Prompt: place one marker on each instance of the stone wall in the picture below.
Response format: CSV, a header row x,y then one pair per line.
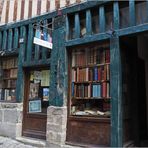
x,y
56,125
11,119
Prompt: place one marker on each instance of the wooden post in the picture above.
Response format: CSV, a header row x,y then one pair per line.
x,y
132,17
29,43
67,28
10,39
1,40
88,23
58,76
101,19
77,25
116,83
15,41
4,43
116,93
20,77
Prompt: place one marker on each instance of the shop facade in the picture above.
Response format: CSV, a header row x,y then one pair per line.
x,y
75,85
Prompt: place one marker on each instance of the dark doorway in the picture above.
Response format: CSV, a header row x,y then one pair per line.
x,y
134,91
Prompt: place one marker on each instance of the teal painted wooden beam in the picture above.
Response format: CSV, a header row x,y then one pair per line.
x,y
4,42
20,76
88,22
116,18
10,33
77,26
43,49
37,47
1,40
116,92
29,43
16,38
67,28
132,15
101,19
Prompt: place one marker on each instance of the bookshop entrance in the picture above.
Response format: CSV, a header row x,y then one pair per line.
x,y
135,89
36,90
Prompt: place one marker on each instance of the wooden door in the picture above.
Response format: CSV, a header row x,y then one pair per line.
x,y
36,92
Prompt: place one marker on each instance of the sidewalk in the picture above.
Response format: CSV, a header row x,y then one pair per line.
x,y
6,142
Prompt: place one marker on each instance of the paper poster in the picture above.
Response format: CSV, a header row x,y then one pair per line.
x,y
45,78
34,106
45,94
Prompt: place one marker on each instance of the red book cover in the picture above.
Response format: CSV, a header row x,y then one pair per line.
x,y
107,56
104,89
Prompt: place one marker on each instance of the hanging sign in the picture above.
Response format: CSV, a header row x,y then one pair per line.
x,y
43,39
34,106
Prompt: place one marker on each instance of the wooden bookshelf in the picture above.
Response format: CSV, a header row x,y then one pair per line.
x,y
89,95
8,68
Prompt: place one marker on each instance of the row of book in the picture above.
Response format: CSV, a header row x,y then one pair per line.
x,y
90,56
99,73
9,84
7,94
10,73
92,90
9,63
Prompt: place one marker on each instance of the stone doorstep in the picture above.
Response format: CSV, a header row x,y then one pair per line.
x,y
32,141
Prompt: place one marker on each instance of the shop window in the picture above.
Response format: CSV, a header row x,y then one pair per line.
x,y
8,78
38,91
95,22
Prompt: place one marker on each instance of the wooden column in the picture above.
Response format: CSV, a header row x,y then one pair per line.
x,y
88,23
116,84
10,33
67,28
101,19
4,42
132,17
1,40
20,77
16,38
77,25
58,84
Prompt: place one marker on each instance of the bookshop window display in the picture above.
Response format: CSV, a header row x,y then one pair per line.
x,y
38,91
90,82
89,95
8,78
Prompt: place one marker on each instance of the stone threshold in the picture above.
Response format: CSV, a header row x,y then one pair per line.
x,y
32,141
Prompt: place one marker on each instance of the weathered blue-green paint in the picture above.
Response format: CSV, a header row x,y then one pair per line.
x,y
29,43
116,92
20,78
116,15
1,39
67,28
44,50
57,67
10,33
101,19
88,22
4,42
77,26
16,38
37,47
132,17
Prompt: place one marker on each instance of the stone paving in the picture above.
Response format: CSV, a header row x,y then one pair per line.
x,y
6,142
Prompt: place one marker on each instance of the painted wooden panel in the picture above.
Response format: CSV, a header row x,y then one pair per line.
x,y
16,38
1,40
4,42
116,15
